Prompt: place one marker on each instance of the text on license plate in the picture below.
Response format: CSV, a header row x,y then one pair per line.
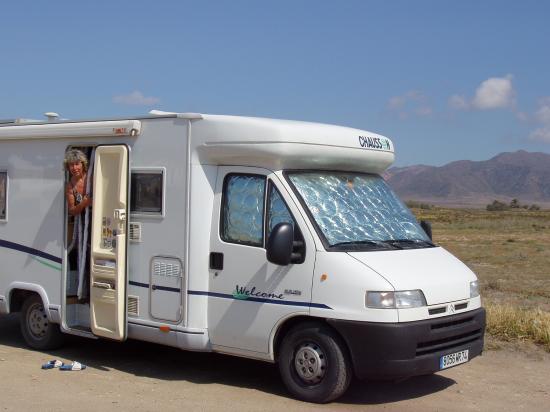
x,y
453,359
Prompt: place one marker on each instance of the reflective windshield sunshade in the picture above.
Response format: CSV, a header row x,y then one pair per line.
x,y
353,208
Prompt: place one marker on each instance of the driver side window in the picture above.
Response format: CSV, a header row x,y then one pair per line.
x,y
277,211
251,208
243,206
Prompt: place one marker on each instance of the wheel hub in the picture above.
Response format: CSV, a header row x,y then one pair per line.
x,y
38,321
310,363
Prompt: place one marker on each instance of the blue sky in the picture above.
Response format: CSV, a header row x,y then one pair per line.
x,y
446,80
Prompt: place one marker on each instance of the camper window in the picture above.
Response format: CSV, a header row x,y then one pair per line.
x,y
3,195
278,211
147,192
243,209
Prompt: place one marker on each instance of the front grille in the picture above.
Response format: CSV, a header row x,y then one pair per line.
x,y
452,323
437,311
461,306
437,345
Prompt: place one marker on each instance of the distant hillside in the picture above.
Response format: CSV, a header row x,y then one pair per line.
x,y
521,175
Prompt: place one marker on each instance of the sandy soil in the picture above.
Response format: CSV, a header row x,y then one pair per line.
x,y
143,377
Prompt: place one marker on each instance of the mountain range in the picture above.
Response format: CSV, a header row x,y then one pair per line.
x,y
521,175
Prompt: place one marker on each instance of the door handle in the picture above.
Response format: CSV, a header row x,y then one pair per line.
x,y
216,261
102,285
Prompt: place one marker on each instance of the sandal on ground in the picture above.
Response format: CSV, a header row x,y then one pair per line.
x,y
52,364
75,366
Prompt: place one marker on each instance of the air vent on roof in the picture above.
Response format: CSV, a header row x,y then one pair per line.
x,y
135,232
51,116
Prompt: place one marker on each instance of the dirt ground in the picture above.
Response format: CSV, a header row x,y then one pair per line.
x,y
139,376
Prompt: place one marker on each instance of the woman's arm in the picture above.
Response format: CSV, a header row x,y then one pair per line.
x,y
71,207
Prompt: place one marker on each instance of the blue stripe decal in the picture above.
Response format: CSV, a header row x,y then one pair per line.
x,y
166,288
259,300
227,296
25,249
141,285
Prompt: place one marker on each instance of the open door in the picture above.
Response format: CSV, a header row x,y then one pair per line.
x,y
108,277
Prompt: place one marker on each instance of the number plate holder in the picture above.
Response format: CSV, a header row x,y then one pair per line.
x,y
453,359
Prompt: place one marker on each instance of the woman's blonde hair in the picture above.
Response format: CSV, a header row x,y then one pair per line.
x,y
75,156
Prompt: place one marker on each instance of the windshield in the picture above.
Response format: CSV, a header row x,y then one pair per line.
x,y
358,211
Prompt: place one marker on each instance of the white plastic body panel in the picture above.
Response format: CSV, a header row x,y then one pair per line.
x,y
246,323
117,128
285,144
441,277
344,287
108,275
31,240
166,283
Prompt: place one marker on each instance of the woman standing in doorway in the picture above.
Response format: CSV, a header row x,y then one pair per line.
x,y
78,208
77,198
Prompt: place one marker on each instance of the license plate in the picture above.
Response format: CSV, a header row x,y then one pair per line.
x,y
453,359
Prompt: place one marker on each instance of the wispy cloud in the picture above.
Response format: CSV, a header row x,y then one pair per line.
x,y
543,112
542,116
424,111
136,98
458,102
493,93
541,134
411,102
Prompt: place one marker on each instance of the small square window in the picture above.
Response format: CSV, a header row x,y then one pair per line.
x,y
3,195
147,192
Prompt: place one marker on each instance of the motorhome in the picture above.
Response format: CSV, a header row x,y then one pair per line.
x,y
269,239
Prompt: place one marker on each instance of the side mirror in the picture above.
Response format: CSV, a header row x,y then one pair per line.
x,y
427,227
279,244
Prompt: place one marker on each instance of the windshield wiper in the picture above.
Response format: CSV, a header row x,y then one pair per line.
x,y
409,243
359,243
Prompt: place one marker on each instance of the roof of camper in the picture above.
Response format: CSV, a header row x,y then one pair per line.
x,y
222,139
285,144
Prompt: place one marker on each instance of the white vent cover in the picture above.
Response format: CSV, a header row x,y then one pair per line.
x,y
135,232
166,268
133,306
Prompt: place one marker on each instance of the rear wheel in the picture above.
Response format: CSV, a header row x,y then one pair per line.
x,y
37,330
314,363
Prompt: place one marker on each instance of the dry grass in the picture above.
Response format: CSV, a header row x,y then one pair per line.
x,y
510,253
514,323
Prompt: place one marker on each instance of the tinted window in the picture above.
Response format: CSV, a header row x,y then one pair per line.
x,y
243,209
278,211
146,196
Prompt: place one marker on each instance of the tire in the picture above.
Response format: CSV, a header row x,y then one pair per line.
x,y
38,332
329,373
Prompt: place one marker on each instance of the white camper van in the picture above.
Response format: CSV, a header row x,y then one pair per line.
x,y
268,239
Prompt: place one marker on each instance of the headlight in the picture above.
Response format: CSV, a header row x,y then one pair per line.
x,y
395,300
474,289
380,300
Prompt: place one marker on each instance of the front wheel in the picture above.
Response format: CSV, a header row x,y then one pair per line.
x,y
314,363
36,329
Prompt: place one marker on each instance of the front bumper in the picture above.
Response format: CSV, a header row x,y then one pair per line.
x,y
400,350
